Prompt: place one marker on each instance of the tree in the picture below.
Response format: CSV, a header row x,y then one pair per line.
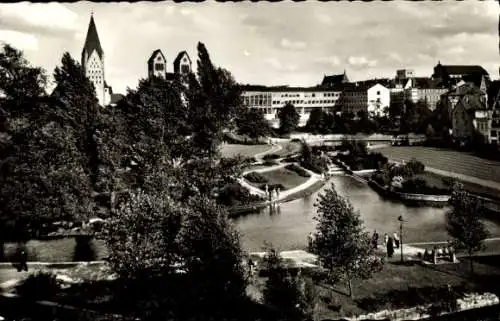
x,y
176,259
316,122
463,222
251,122
214,100
306,156
283,291
21,83
288,118
342,245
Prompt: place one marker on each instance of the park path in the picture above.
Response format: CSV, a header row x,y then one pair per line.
x,y
275,148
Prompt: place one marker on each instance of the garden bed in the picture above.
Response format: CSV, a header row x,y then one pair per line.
x,y
285,177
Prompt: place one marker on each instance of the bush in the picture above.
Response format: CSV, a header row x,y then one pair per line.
x,y
382,178
297,169
234,194
420,186
84,249
255,177
415,167
38,286
270,163
271,156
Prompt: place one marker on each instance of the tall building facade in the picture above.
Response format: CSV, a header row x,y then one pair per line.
x,y
305,99
93,64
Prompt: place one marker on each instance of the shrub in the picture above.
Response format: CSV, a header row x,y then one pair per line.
x,y
270,163
297,169
41,285
255,177
271,156
234,194
84,249
415,167
382,178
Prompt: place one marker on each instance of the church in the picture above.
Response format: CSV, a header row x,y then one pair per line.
x,y
93,66
157,66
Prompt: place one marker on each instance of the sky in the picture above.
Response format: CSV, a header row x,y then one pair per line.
x,y
284,43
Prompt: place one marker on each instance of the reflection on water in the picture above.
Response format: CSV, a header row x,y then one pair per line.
x,y
287,225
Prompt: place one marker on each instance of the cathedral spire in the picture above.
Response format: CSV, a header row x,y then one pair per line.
x,y
92,41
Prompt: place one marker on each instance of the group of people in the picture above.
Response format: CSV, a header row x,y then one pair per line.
x,y
446,252
272,195
391,242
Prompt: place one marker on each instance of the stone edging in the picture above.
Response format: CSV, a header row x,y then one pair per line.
x,y
438,199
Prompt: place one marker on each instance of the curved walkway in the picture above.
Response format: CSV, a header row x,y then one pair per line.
x,y
313,179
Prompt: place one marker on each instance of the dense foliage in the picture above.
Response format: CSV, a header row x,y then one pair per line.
x,y
284,291
343,246
464,224
288,119
152,162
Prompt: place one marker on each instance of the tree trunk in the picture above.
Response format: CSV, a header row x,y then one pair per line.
x,y
2,252
471,264
349,283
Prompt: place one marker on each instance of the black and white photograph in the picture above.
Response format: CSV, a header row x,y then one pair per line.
x,y
250,160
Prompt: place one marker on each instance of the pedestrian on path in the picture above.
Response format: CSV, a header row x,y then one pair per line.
x,y
375,239
396,240
386,239
390,247
23,258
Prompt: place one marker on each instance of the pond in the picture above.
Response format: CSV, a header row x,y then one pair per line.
x,y
288,227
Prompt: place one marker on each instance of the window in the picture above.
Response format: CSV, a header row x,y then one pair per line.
x,y
493,133
378,92
159,67
185,69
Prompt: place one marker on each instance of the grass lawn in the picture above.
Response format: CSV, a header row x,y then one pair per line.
x,y
289,148
447,160
437,180
231,150
60,250
283,176
390,289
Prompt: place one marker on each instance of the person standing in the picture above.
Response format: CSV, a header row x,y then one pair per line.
x,y
396,240
386,239
390,247
375,239
23,259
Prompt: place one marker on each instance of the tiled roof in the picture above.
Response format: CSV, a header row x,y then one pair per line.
x,y
92,41
334,80
463,69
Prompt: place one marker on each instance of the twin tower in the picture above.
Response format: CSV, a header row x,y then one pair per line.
x,y
93,65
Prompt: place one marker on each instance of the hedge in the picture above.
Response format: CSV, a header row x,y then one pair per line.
x,y
297,169
255,177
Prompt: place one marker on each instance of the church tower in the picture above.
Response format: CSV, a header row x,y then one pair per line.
x,y
93,63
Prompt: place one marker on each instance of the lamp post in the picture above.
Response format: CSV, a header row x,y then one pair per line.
x,y
401,221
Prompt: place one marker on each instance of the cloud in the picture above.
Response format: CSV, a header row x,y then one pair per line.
x,y
360,62
292,45
328,60
279,66
50,19
19,40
